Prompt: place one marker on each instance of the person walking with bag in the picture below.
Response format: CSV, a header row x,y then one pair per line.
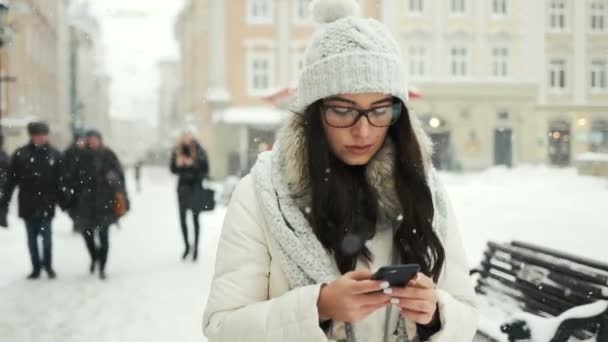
x,y
101,198
349,187
189,162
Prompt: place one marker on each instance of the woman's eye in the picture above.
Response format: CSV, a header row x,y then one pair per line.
x,y
381,110
342,110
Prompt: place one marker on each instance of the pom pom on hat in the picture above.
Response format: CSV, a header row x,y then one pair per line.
x,y
327,11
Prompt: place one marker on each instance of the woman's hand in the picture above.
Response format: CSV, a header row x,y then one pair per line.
x,y
352,297
417,300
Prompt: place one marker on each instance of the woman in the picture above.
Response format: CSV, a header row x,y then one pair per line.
x,y
189,162
100,177
348,188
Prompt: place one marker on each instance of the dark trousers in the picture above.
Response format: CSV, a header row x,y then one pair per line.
x,y
40,227
97,252
183,220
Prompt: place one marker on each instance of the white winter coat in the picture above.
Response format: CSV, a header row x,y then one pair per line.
x,y
251,299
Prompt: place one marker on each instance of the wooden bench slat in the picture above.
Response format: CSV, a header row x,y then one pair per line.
x,y
571,257
518,276
554,264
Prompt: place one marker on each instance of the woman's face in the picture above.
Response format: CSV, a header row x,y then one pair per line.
x,y
357,144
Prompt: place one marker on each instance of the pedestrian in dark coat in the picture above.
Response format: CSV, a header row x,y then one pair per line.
x,y
4,165
100,179
35,168
189,162
71,158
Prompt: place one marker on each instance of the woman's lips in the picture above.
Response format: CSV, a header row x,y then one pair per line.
x,y
359,149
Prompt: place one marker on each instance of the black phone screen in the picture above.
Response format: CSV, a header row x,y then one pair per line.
x,y
397,275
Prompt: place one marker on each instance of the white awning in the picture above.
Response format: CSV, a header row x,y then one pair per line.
x,y
251,116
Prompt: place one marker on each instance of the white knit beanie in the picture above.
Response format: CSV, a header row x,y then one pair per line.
x,y
349,54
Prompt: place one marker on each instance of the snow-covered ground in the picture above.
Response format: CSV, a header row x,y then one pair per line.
x,y
151,295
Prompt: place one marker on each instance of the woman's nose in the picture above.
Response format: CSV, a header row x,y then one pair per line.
x,y
361,128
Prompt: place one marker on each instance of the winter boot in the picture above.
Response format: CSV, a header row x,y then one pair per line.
x,y
34,275
186,252
51,273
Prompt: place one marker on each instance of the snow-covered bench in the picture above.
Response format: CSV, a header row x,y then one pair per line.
x,y
531,293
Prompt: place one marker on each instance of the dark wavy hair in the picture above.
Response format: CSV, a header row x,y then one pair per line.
x,y
344,208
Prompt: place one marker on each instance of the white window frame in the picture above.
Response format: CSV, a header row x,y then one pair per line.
x,y
417,62
557,10
598,15
297,17
558,66
458,8
500,62
415,7
502,5
251,57
599,76
459,62
254,19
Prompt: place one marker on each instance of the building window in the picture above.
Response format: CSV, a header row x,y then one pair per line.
x,y
416,6
599,136
557,14
458,61
557,74
417,67
597,12
259,72
598,75
503,115
259,11
499,7
303,14
500,56
457,7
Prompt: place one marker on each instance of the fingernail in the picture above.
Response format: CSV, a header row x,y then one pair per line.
x,y
394,301
385,285
388,291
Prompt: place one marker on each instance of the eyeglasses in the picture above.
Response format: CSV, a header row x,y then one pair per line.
x,y
343,117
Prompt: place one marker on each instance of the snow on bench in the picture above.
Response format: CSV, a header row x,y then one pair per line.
x,y
527,292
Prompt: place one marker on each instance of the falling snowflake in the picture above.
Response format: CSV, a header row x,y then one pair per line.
x,y
400,217
307,210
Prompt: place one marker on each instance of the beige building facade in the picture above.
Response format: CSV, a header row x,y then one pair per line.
x,y
505,81
234,55
37,58
502,82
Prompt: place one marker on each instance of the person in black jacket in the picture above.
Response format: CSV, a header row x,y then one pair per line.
x,y
100,178
71,157
35,169
189,162
4,165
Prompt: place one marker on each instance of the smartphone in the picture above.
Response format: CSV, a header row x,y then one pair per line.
x,y
397,275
